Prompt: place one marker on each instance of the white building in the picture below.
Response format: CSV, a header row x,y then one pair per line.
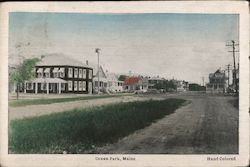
x,y
114,85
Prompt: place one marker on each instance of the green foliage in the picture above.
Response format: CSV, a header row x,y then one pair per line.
x,y
24,71
81,130
196,87
122,77
167,85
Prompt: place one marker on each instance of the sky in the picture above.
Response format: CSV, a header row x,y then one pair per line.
x,y
181,46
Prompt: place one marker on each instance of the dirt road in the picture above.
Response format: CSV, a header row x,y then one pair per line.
x,y
209,124
38,110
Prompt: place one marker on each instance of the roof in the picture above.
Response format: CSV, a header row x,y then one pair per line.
x,y
218,74
111,76
57,59
156,78
131,80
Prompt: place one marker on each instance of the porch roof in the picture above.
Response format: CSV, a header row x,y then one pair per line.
x,y
48,80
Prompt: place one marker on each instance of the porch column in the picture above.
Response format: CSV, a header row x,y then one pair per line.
x,y
47,86
25,87
59,85
36,87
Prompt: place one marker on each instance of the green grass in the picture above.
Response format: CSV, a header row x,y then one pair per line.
x,y
27,102
83,129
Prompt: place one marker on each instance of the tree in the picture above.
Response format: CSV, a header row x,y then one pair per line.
x,y
23,72
122,77
167,85
196,87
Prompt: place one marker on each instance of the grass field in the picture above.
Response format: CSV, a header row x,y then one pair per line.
x,y
26,102
83,129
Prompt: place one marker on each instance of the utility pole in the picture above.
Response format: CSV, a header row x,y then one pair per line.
x,y
228,74
234,70
203,81
97,50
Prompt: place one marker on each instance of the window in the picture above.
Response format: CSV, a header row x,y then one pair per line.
x,y
84,73
70,73
55,74
43,86
80,73
90,74
70,85
76,73
80,86
62,86
47,72
47,75
29,86
75,86
96,83
84,85
50,86
39,75
61,72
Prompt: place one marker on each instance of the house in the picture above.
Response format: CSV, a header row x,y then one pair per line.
x,y
103,82
114,85
217,82
136,83
57,73
152,81
182,86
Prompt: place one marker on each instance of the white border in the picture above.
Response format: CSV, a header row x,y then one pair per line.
x,y
127,7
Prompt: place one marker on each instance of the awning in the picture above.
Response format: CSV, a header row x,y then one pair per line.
x,y
55,69
47,70
61,70
40,70
48,80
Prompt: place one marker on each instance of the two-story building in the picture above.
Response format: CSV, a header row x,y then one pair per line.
x,y
57,73
152,81
217,82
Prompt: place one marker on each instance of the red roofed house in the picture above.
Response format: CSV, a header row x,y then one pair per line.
x,y
135,83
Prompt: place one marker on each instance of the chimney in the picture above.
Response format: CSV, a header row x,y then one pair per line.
x,y
87,62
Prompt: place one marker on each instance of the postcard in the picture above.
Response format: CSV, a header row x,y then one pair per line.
x,y
124,83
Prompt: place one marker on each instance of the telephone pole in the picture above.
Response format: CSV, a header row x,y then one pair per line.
x,y
228,74
233,44
97,50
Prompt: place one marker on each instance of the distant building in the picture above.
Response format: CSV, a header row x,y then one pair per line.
x,y
217,82
182,86
114,85
57,73
136,83
103,82
108,82
152,81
